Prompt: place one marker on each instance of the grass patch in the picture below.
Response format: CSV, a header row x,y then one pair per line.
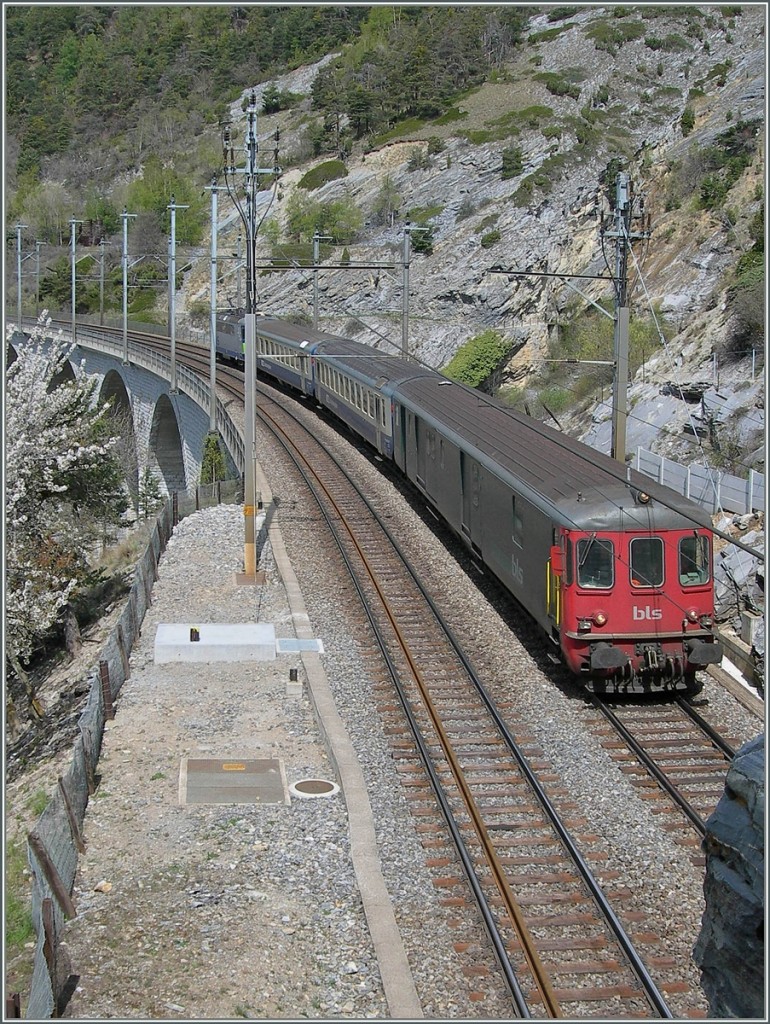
x,y
37,803
323,173
407,127
422,214
18,917
452,115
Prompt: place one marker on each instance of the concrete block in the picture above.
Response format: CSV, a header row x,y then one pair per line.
x,y
245,641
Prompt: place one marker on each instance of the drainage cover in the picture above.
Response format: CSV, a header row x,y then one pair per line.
x,y
308,789
232,781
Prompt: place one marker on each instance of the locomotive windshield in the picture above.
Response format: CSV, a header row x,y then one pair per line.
x,y
595,563
694,560
646,562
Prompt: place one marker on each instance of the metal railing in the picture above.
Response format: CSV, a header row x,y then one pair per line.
x,y
709,487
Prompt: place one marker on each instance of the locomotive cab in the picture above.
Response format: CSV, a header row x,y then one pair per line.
x,y
635,607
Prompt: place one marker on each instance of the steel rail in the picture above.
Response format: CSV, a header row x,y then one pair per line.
x,y
663,781
307,473
650,989
719,741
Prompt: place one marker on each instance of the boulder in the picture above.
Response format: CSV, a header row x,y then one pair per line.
x,y
730,950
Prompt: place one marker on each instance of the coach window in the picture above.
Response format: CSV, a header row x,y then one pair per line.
x,y
694,560
518,526
595,563
646,562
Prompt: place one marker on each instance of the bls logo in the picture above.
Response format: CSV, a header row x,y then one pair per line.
x,y
516,571
647,613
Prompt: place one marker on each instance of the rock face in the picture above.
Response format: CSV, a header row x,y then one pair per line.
x,y
730,949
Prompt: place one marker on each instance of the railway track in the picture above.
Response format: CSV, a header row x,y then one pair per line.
x,y
560,945
676,759
496,840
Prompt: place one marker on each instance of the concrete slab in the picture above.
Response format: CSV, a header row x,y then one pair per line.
x,y
232,781
245,641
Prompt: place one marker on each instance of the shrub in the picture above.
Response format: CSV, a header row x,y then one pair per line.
x,y
688,121
490,239
557,85
560,13
476,360
466,209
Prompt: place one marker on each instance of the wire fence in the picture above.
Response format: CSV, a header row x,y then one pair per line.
x,y
56,839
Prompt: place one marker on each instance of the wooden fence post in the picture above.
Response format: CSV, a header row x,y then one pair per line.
x,y
104,676
52,876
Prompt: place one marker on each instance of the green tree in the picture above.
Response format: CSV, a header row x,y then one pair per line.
x,y
387,203
513,162
213,465
152,194
150,496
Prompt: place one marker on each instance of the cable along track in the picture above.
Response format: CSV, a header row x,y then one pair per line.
x,y
674,757
561,947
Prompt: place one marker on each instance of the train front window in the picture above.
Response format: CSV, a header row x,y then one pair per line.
x,y
694,560
595,563
646,562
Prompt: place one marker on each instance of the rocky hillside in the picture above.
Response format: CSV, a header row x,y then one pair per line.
x,y
585,95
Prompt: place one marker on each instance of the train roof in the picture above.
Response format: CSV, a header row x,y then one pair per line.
x,y
366,364
586,488
283,330
369,365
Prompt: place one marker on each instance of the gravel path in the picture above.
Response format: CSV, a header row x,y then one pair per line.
x,y
207,911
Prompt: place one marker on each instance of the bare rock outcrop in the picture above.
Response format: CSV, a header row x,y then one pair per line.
x,y
730,949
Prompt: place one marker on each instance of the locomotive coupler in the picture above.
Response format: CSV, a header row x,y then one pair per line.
x,y
651,658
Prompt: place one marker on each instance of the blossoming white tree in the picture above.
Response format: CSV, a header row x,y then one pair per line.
x,y
61,478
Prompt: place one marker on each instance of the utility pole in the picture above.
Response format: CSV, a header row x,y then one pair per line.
x,y
213,311
405,296
124,264
623,234
316,256
409,229
101,282
248,214
73,234
38,246
620,230
19,228
173,207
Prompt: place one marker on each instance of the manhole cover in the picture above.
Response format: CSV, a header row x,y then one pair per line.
x,y
307,789
232,781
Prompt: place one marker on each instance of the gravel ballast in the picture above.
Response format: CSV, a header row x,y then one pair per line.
x,y
235,911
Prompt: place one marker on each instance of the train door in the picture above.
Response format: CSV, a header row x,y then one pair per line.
x,y
470,484
420,448
554,573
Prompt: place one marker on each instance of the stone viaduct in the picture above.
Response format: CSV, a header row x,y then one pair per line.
x,y
165,429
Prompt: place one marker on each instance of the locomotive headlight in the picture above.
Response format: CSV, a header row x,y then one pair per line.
x,y
600,618
692,614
